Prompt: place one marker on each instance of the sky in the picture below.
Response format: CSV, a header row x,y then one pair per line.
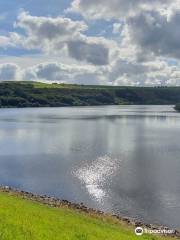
x,y
117,42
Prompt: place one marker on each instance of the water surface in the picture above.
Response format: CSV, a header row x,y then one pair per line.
x,y
120,159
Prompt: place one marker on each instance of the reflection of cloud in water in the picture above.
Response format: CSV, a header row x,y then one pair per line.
x,y
95,175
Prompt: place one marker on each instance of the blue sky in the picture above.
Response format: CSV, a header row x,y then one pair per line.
x,y
122,42
38,8
9,10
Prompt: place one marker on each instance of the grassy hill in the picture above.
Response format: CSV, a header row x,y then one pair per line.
x,y
22,219
35,94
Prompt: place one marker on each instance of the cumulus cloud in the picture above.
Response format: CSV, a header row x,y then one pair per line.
x,y
42,31
53,72
151,73
92,50
9,72
155,33
144,47
54,35
119,73
129,69
4,42
117,27
114,9
59,72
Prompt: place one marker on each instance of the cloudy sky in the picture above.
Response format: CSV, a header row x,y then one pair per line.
x,y
117,42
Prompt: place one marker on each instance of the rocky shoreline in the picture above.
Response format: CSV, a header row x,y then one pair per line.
x,y
55,202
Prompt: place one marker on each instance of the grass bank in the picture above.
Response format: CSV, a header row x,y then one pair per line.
x,y
27,219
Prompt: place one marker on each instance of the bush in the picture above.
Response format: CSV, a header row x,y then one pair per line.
x,y
177,107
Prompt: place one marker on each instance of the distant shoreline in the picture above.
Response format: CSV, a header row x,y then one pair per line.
x,y
57,203
84,106
34,94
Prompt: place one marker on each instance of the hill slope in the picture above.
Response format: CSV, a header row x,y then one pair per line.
x,y
26,219
31,94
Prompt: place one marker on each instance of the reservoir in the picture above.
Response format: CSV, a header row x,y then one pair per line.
x,y
120,159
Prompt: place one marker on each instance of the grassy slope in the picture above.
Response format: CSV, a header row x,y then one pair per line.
x,y
24,219
31,94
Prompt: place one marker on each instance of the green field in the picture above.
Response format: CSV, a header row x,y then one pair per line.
x,y
23,219
36,94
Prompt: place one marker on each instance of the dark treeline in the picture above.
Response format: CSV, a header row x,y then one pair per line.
x,y
177,107
29,94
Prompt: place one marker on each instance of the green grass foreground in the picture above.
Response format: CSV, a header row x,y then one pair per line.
x,y
24,219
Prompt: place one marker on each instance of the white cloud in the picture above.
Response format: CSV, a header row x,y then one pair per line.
x,y
44,31
150,73
57,36
117,27
52,72
119,73
59,72
9,71
91,49
156,34
144,43
114,9
5,42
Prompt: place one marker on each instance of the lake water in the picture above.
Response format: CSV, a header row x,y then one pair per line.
x,y
120,159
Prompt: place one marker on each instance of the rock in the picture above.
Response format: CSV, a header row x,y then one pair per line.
x,y
138,224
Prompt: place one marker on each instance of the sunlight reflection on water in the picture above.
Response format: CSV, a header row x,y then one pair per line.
x,y
94,175
116,159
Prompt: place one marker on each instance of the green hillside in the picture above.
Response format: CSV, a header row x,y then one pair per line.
x,y
34,94
22,219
